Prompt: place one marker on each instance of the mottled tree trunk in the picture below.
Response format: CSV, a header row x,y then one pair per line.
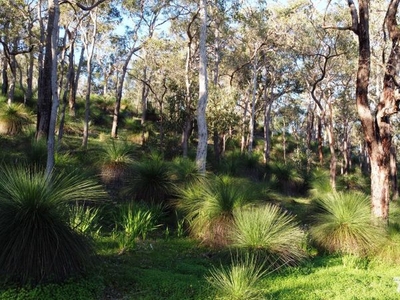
x,y
55,11
201,154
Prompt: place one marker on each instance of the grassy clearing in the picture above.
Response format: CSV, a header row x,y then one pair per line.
x,y
177,269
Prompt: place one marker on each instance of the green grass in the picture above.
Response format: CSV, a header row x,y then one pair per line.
x,y
329,278
177,269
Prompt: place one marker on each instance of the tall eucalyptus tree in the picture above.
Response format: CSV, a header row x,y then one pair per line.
x,y
201,155
376,121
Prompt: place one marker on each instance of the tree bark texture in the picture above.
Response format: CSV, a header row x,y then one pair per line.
x,y
376,127
201,155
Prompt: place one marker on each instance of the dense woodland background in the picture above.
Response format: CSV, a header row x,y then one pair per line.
x,y
165,136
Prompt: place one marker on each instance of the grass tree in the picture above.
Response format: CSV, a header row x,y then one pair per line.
x,y
344,224
209,206
152,180
115,158
13,119
269,230
37,243
238,281
185,171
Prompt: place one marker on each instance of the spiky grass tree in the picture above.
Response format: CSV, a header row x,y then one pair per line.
x,y
37,244
13,118
185,171
209,206
271,231
115,159
152,182
238,281
286,177
319,183
344,224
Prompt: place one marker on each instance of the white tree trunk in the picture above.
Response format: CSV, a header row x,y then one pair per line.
x,y
201,155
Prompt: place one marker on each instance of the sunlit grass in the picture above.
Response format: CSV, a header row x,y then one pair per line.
x,y
271,232
344,225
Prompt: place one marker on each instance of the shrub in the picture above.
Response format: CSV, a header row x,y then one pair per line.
x,y
84,219
320,183
152,181
269,230
286,177
115,159
344,224
13,118
185,171
239,281
134,221
209,205
36,242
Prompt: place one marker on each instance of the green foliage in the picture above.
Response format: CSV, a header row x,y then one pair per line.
x,y
209,206
238,281
152,180
344,224
78,288
37,243
36,152
285,177
115,159
13,118
237,163
117,152
132,222
319,183
185,171
84,219
269,230
355,181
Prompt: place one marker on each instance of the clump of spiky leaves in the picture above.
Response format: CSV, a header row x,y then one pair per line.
x,y
355,181
185,171
115,159
237,163
208,207
152,182
238,281
134,221
344,225
286,177
13,118
319,183
269,230
36,241
84,219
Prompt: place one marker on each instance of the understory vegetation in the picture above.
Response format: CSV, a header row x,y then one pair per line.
x,y
124,220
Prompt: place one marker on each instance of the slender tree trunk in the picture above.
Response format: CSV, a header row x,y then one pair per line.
x,y
331,139
29,75
243,141
120,87
320,140
53,10
73,84
4,74
89,51
253,106
45,92
145,92
11,86
188,99
268,101
201,155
